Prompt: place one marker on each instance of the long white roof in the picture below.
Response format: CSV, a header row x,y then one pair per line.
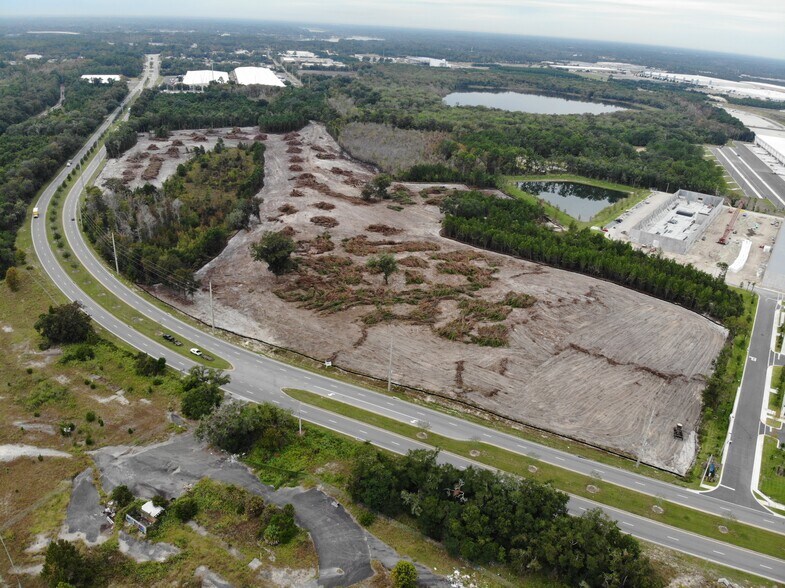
x,y
262,76
202,77
102,78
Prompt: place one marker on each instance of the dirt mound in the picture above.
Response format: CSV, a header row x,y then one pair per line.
x,y
323,205
383,229
324,221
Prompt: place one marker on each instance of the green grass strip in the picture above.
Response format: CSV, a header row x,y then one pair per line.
x,y
675,515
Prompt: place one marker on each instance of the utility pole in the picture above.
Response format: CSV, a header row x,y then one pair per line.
x,y
212,314
389,366
300,417
645,440
13,565
114,249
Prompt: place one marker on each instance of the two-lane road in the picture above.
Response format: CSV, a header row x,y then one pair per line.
x,y
259,378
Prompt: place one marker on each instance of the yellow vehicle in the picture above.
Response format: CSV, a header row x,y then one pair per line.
x,y
35,212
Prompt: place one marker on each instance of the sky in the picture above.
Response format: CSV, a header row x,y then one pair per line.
x,y
749,27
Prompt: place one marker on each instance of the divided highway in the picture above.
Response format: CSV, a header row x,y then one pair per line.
x,y
258,378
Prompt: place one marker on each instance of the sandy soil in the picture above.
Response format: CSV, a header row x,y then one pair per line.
x,y
589,359
12,452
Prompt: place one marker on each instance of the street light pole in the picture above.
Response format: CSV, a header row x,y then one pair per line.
x,y
389,366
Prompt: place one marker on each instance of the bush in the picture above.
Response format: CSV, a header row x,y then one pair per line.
x,y
79,352
184,509
122,496
201,391
65,564
404,575
146,365
90,417
235,427
12,279
366,518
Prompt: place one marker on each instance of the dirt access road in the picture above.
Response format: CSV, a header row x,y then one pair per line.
x,y
584,358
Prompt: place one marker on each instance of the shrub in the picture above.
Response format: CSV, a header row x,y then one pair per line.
x,y
64,564
90,417
184,508
12,279
404,575
79,352
122,496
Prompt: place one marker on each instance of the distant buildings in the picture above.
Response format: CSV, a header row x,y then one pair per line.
x,y
101,78
260,76
309,60
773,145
202,77
244,76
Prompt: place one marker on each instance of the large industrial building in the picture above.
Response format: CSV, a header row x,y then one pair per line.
x,y
677,223
260,76
773,145
202,77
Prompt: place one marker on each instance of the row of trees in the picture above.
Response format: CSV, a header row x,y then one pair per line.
x,y
515,227
488,517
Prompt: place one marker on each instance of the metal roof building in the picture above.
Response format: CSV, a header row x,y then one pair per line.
x,y
261,76
101,78
203,77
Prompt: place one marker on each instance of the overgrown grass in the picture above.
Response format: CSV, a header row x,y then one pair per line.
x,y
778,385
634,502
772,470
606,215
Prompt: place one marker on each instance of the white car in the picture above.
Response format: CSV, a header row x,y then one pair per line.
x,y
195,351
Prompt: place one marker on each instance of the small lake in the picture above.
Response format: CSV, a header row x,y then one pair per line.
x,y
580,201
531,103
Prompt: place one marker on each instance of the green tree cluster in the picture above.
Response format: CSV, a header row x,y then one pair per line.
x,y
236,427
66,323
275,248
195,213
146,365
488,518
201,391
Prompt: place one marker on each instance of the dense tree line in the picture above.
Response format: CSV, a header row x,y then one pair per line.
x,y
757,102
31,151
488,517
164,234
293,109
217,106
120,140
515,227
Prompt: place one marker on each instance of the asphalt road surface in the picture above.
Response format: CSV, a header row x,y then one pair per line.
x,y
739,470
752,175
258,378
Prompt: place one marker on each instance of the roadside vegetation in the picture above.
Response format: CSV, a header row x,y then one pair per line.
x,y
166,233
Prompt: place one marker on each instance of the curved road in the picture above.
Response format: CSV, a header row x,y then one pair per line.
x,y
258,378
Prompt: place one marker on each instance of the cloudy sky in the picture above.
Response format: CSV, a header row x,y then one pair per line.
x,y
753,27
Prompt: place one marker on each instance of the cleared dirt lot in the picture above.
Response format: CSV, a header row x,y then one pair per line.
x,y
583,357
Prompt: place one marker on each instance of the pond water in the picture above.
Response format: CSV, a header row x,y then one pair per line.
x,y
580,201
531,103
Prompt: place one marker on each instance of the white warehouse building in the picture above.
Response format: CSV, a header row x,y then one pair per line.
x,y
101,78
261,76
202,77
773,145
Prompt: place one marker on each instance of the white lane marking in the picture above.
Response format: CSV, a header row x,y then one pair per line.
x,y
307,377
765,567
333,422
304,411
276,402
281,370
451,424
672,538
767,521
556,457
682,496
394,442
521,446
628,524
361,395
486,435
582,508
639,483
389,404
363,432
717,552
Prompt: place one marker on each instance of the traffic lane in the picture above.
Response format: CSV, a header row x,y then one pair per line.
x,y
738,468
758,173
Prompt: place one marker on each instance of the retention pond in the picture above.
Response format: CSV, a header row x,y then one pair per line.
x,y
580,201
531,103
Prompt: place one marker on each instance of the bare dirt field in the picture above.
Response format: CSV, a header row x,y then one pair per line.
x,y
556,350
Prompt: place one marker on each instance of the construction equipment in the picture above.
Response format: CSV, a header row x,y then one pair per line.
x,y
678,431
724,239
